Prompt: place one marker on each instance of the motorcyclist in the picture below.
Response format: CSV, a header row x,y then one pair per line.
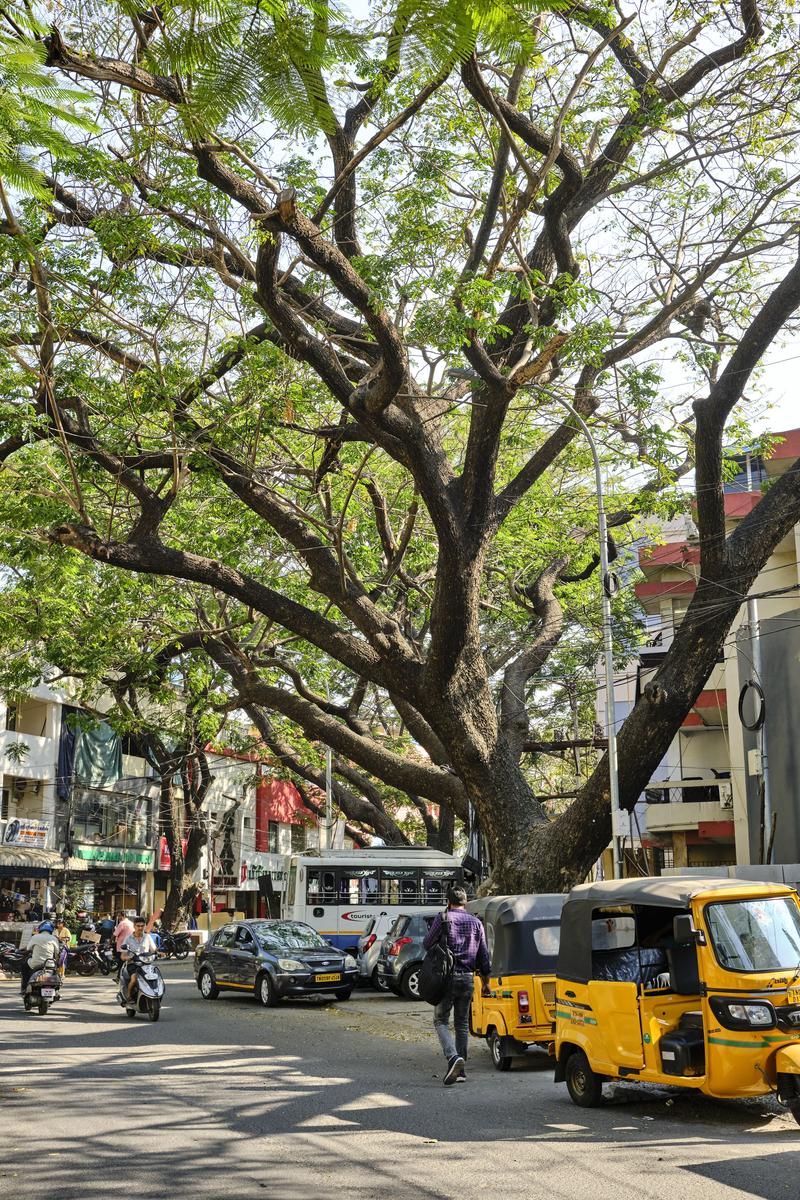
x,y
42,947
137,942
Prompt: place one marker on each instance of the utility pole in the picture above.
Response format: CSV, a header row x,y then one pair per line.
x,y
758,672
210,867
606,592
328,798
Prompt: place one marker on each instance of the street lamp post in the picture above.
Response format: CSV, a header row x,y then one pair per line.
x,y
608,643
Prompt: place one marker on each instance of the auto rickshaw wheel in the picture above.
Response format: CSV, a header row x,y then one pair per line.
x,y
500,1061
584,1086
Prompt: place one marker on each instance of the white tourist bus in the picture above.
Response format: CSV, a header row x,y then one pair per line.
x,y
338,892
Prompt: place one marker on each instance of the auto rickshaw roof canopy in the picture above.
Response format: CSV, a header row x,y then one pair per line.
x,y
511,923
670,891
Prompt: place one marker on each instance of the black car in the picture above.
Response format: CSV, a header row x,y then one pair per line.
x,y
273,959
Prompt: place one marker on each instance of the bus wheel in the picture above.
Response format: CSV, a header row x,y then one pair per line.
x,y
584,1086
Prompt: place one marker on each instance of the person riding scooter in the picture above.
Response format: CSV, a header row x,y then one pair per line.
x,y
137,942
43,947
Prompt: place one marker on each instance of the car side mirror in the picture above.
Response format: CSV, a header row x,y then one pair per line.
x,y
684,932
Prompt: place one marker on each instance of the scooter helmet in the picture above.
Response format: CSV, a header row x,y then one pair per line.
x,y
46,927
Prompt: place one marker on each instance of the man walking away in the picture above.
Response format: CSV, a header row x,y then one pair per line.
x,y
467,942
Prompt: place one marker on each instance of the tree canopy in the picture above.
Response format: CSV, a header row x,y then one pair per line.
x,y
292,300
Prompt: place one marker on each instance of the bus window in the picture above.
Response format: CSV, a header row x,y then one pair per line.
x,y
399,885
435,885
358,887
329,887
291,886
433,891
314,893
409,891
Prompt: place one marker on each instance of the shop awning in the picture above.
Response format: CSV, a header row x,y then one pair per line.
x,y
22,858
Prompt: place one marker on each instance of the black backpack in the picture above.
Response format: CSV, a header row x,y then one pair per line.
x,y
436,971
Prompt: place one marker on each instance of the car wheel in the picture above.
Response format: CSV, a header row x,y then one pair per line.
x,y
409,984
500,1061
205,982
344,993
584,1086
378,982
265,990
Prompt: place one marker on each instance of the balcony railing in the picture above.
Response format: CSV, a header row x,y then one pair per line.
x,y
690,791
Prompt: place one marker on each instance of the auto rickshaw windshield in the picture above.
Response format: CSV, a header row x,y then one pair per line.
x,y
755,935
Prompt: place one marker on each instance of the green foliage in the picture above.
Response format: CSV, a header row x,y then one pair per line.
x,y
37,113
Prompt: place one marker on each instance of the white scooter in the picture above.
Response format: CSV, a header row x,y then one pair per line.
x,y
148,989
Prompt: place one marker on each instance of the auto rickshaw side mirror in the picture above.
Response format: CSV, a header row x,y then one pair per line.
x,y
684,932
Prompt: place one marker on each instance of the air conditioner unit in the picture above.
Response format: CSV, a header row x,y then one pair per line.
x,y
725,795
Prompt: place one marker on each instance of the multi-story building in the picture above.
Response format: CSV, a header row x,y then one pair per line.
x,y
705,803
77,803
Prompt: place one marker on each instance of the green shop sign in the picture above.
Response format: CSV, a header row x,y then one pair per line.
x,y
116,854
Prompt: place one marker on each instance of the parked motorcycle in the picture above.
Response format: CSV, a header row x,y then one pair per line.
x,y
11,958
176,945
148,989
87,958
43,989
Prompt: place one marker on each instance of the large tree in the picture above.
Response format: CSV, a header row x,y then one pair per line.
x,y
292,324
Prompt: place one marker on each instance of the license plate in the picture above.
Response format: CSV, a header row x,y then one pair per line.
x,y
328,978
793,996
48,993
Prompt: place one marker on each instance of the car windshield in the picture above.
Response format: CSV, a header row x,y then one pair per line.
x,y
277,936
756,935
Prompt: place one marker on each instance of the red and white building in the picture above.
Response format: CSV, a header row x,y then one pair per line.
x,y
703,807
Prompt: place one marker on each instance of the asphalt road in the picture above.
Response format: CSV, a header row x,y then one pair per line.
x,y
226,1099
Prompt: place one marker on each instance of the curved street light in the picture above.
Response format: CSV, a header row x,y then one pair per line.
x,y
605,599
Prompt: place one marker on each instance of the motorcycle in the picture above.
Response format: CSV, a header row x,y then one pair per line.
x,y
87,958
148,989
11,958
43,989
176,945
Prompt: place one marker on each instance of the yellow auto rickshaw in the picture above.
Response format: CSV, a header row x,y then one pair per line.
x,y
522,936
680,980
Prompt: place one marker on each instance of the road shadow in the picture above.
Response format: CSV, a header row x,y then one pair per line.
x,y
217,1084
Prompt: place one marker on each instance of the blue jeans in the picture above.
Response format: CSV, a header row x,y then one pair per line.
x,y
456,998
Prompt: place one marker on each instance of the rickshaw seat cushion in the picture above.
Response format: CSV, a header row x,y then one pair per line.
x,y
636,965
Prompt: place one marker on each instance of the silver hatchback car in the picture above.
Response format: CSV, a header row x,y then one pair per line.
x,y
369,948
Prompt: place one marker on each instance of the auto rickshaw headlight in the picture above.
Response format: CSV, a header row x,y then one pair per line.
x,y
733,1014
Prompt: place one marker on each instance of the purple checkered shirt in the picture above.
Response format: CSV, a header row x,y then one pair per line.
x,y
465,938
